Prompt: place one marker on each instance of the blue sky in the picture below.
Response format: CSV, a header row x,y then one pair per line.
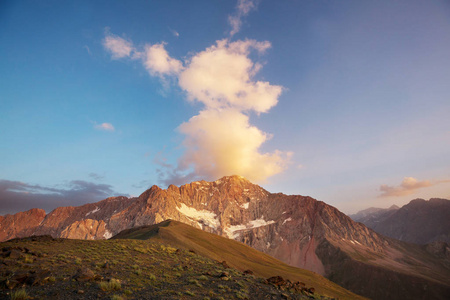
x,y
344,101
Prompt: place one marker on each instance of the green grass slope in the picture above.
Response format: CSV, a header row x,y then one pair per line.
x,y
237,255
47,268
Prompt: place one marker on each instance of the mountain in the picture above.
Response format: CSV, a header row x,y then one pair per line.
x,y
419,221
297,230
235,254
373,215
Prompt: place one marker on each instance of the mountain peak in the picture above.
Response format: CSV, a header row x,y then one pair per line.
x,y
233,178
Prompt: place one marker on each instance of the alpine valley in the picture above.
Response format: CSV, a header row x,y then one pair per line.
x,y
300,231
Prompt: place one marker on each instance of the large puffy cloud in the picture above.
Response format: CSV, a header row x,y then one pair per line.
x,y
221,76
408,186
219,140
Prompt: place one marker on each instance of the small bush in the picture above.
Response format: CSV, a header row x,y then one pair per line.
x,y
190,293
203,278
19,295
117,297
112,285
28,259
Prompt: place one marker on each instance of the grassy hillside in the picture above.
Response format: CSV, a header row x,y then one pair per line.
x,y
47,268
237,255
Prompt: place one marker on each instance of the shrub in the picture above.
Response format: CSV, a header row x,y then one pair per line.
x,y
19,295
112,285
28,259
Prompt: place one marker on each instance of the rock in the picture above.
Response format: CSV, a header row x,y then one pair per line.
x,y
248,272
84,274
14,254
276,280
224,264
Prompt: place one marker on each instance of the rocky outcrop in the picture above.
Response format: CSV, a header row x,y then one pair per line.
x,y
86,230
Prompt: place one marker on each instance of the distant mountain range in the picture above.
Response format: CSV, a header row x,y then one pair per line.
x,y
297,230
419,221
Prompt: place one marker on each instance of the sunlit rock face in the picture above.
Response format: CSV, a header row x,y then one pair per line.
x,y
287,227
21,224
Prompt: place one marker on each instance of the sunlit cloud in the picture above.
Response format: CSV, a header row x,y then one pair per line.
x,y
221,76
158,62
243,8
219,140
222,142
408,186
105,127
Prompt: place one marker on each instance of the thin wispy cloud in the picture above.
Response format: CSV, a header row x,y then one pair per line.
x,y
174,32
243,8
96,176
408,186
104,127
117,46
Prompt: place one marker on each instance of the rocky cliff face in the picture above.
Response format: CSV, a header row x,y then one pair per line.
x,y
298,230
20,225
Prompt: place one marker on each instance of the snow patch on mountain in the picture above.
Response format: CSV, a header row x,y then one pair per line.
x,y
93,211
107,234
205,216
245,205
233,231
287,220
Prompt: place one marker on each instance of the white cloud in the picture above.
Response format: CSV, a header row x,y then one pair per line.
x,y
118,46
174,32
243,8
158,62
222,142
221,76
104,126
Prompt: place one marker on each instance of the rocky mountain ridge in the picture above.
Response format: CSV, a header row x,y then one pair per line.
x,y
420,221
298,230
